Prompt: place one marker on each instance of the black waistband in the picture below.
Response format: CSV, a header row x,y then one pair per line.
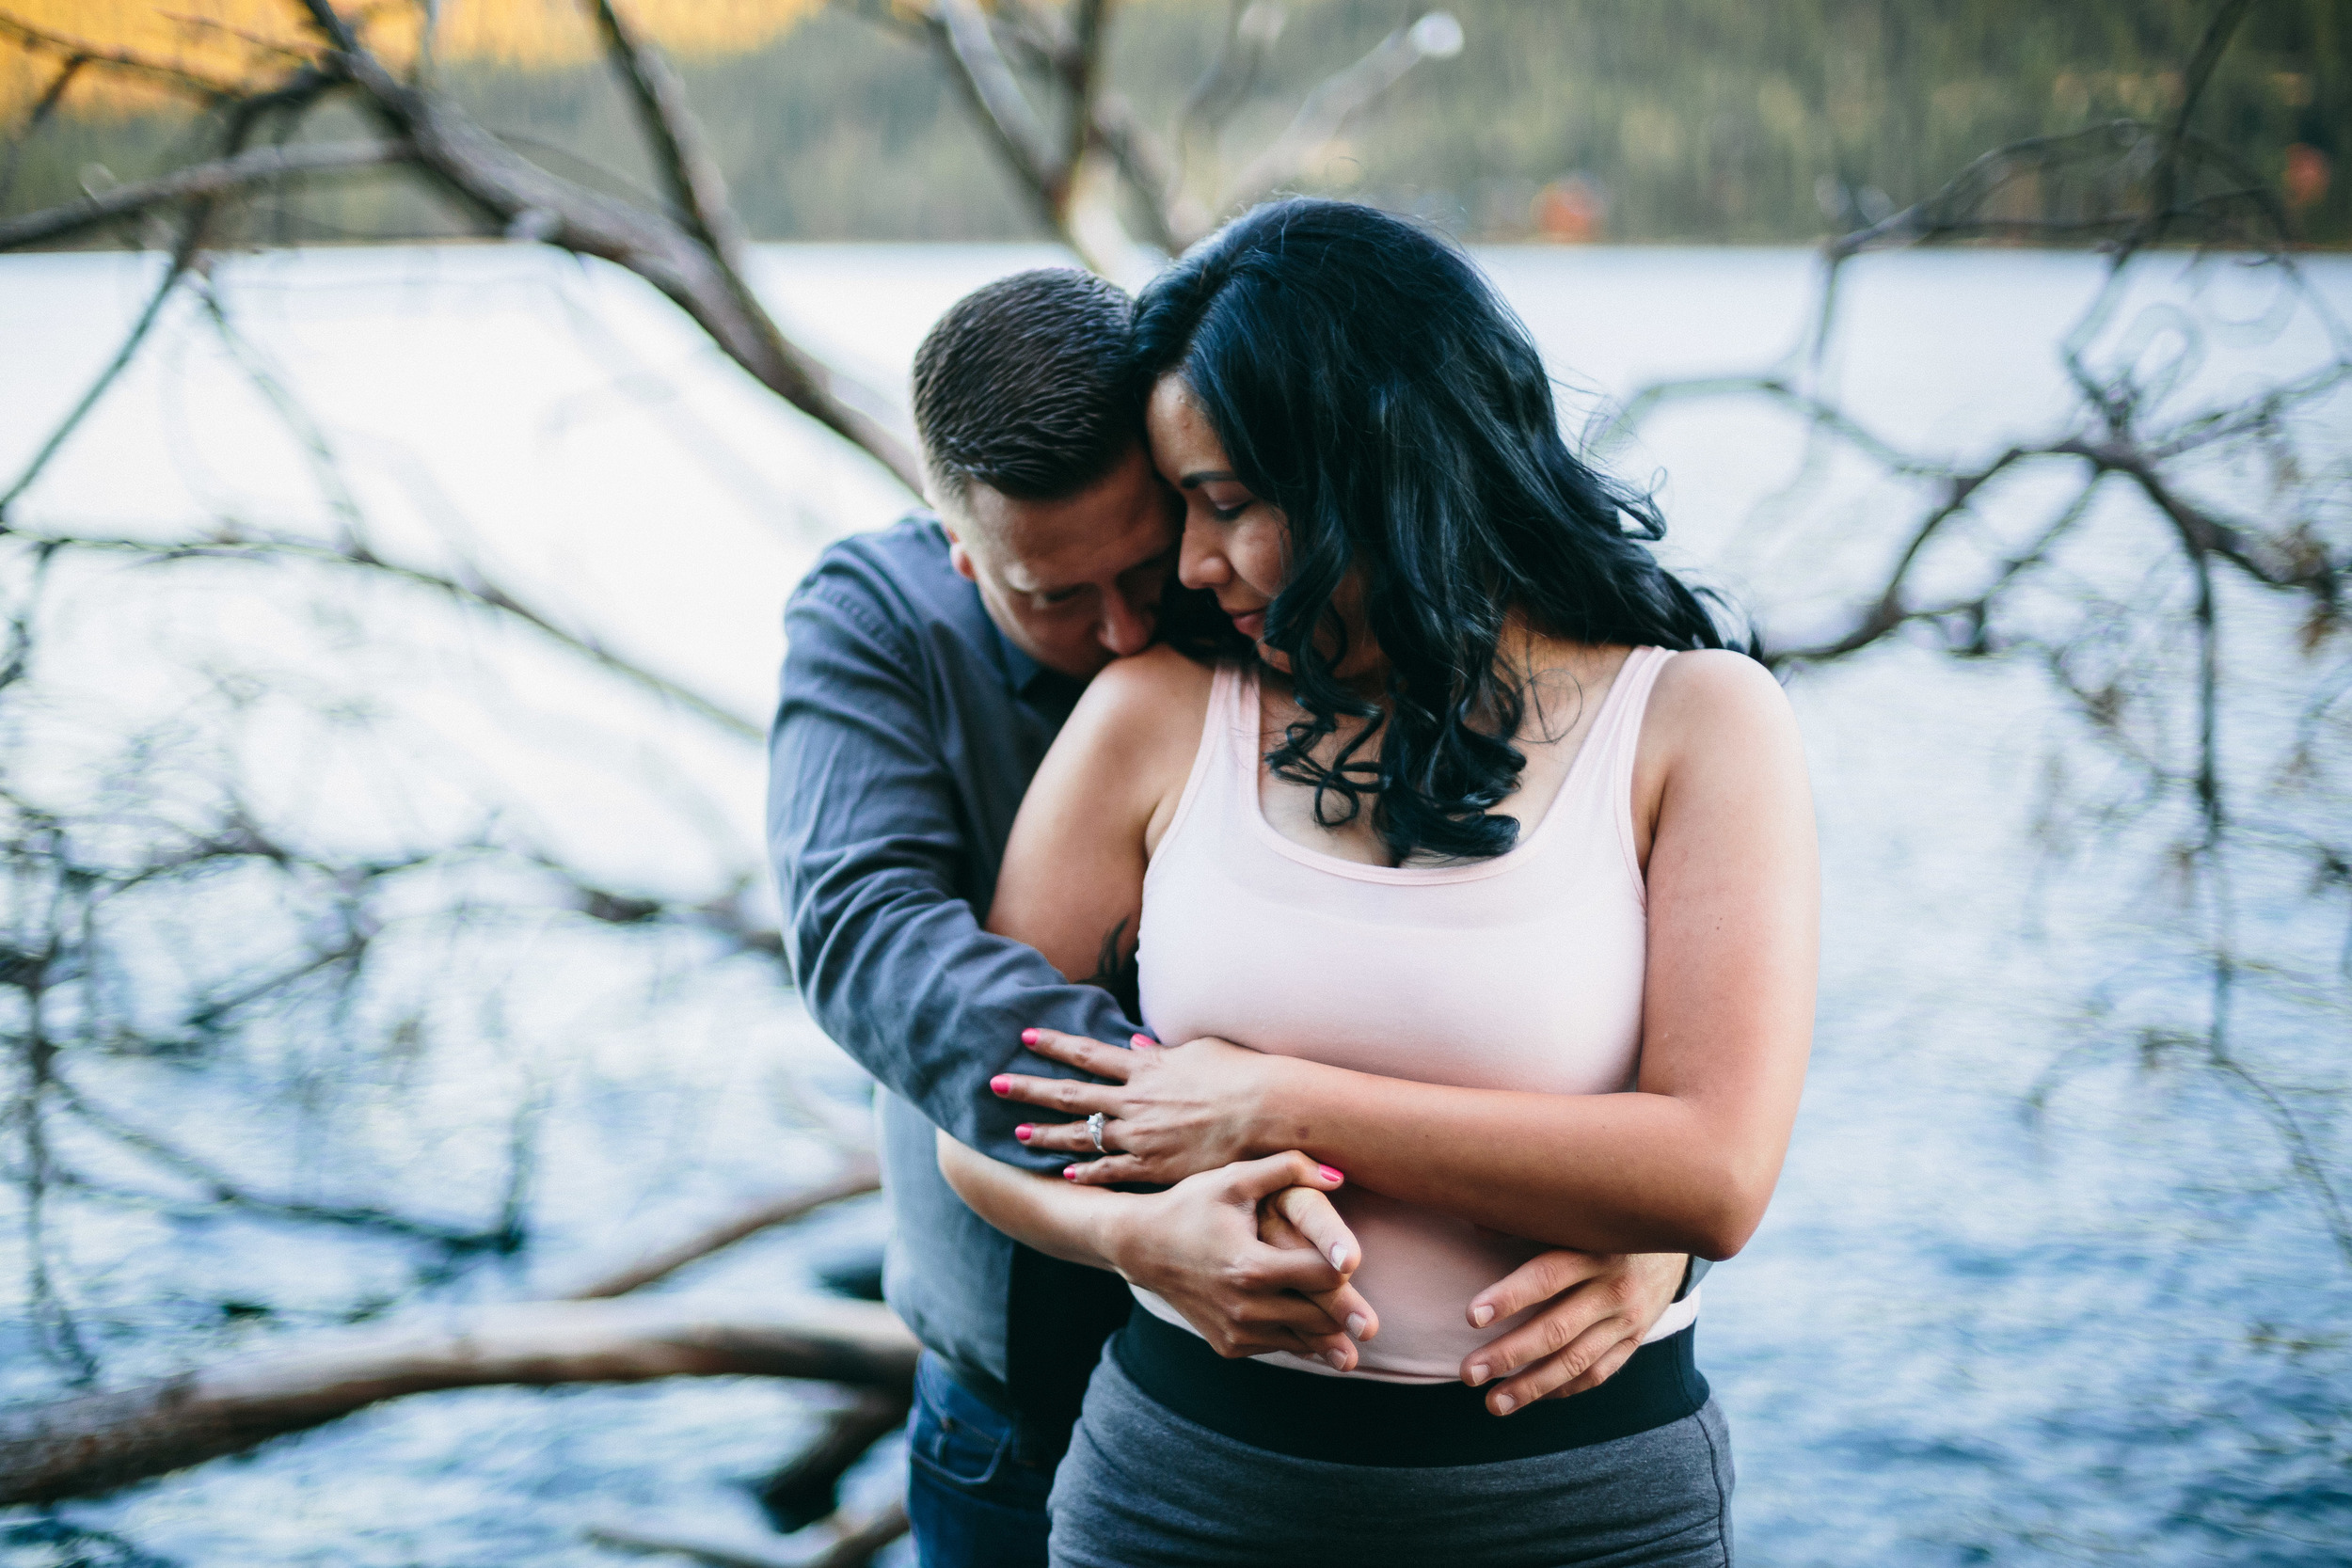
x,y
1354,1420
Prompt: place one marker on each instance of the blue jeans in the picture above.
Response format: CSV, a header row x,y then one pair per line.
x,y
973,1500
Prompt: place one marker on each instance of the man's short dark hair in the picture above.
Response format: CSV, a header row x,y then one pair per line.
x,y
1023,387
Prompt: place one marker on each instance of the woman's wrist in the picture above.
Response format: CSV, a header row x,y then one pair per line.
x,y
1277,1112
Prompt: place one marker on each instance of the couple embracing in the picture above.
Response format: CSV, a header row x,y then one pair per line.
x,y
1333,924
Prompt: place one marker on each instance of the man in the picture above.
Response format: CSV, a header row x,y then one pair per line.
x,y
928,667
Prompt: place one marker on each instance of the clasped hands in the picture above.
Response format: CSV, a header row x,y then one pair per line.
x,y
1282,1276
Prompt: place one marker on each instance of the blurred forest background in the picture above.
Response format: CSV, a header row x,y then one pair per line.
x,y
1697,121
390,985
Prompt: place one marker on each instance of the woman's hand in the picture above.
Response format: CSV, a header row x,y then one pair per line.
x,y
1596,1306
1198,1247
1172,1112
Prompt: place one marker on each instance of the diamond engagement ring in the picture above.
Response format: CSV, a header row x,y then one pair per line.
x,y
1094,1131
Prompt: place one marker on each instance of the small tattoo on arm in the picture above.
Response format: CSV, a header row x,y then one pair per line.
x,y
1121,977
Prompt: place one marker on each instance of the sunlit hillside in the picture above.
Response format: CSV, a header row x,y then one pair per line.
x,y
228,42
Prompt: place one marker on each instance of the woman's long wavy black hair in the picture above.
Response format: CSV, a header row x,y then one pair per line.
x,y
1364,377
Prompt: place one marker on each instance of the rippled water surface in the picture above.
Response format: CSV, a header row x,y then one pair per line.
x,y
2113,1329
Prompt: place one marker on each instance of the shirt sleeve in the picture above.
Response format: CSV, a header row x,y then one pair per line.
x,y
868,841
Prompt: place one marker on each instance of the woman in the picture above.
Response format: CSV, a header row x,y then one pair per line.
x,y
1472,866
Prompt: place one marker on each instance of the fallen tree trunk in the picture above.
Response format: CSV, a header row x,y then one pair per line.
x,y
90,1443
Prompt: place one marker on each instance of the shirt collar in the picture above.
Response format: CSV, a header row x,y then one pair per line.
x,y
1029,680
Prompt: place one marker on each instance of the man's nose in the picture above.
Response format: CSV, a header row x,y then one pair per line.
x,y
1126,627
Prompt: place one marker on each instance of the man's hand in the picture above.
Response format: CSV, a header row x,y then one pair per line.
x,y
1198,1247
1171,1112
1596,1306
1300,1218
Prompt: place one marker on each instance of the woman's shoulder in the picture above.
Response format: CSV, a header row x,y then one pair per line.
x,y
1718,681
1143,709
1146,689
1712,702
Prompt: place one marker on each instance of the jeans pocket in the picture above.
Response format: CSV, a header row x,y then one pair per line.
x,y
950,1440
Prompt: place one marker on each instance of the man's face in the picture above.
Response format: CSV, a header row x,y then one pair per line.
x,y
1073,583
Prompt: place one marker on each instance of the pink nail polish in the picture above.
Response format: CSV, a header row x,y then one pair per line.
x,y
1144,1041
1070,1173
1330,1174
1023,1132
1028,1037
1000,1083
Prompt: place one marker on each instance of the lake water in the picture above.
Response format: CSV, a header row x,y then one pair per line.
x,y
2110,1328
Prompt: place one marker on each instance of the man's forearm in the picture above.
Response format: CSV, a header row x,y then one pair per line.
x,y
910,986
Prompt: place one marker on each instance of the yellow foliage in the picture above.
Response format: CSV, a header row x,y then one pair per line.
x,y
251,41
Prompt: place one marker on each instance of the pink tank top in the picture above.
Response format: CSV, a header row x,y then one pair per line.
x,y
1523,971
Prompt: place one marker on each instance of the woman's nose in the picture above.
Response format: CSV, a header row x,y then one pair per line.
x,y
1200,564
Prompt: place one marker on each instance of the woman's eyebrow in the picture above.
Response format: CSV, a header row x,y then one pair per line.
x,y
1206,476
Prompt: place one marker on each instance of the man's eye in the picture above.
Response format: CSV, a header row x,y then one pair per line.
x,y
1059,596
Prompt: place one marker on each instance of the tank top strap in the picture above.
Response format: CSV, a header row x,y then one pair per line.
x,y
1227,758
1618,744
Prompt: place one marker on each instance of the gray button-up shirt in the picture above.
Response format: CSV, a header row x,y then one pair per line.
x,y
908,731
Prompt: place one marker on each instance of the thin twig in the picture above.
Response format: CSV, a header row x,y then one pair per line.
x,y
261,166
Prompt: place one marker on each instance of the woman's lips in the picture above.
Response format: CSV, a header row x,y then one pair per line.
x,y
1251,625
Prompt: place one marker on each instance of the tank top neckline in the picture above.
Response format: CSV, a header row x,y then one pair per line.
x,y
1234,698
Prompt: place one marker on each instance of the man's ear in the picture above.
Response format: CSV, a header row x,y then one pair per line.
x,y
961,559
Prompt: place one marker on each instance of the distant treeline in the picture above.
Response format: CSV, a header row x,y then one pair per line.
x,y
1716,120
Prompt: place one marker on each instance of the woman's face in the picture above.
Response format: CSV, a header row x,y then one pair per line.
x,y
1236,545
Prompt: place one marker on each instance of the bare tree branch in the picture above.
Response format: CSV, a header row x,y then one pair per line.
x,y
261,166
467,586
1004,110
43,40
95,1442
855,1547
862,1175
681,160
44,107
1338,99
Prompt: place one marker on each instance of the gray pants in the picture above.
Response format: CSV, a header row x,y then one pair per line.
x,y
1142,1488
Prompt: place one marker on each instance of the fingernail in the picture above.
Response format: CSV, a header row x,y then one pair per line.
x,y
1144,1041
1480,1372
1028,1037
1482,1315
1000,1083
1339,1258
1504,1404
1070,1173
1339,1362
1023,1132
1330,1173
1355,1325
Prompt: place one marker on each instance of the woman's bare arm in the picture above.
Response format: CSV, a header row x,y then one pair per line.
x,y
1070,884
1687,1162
